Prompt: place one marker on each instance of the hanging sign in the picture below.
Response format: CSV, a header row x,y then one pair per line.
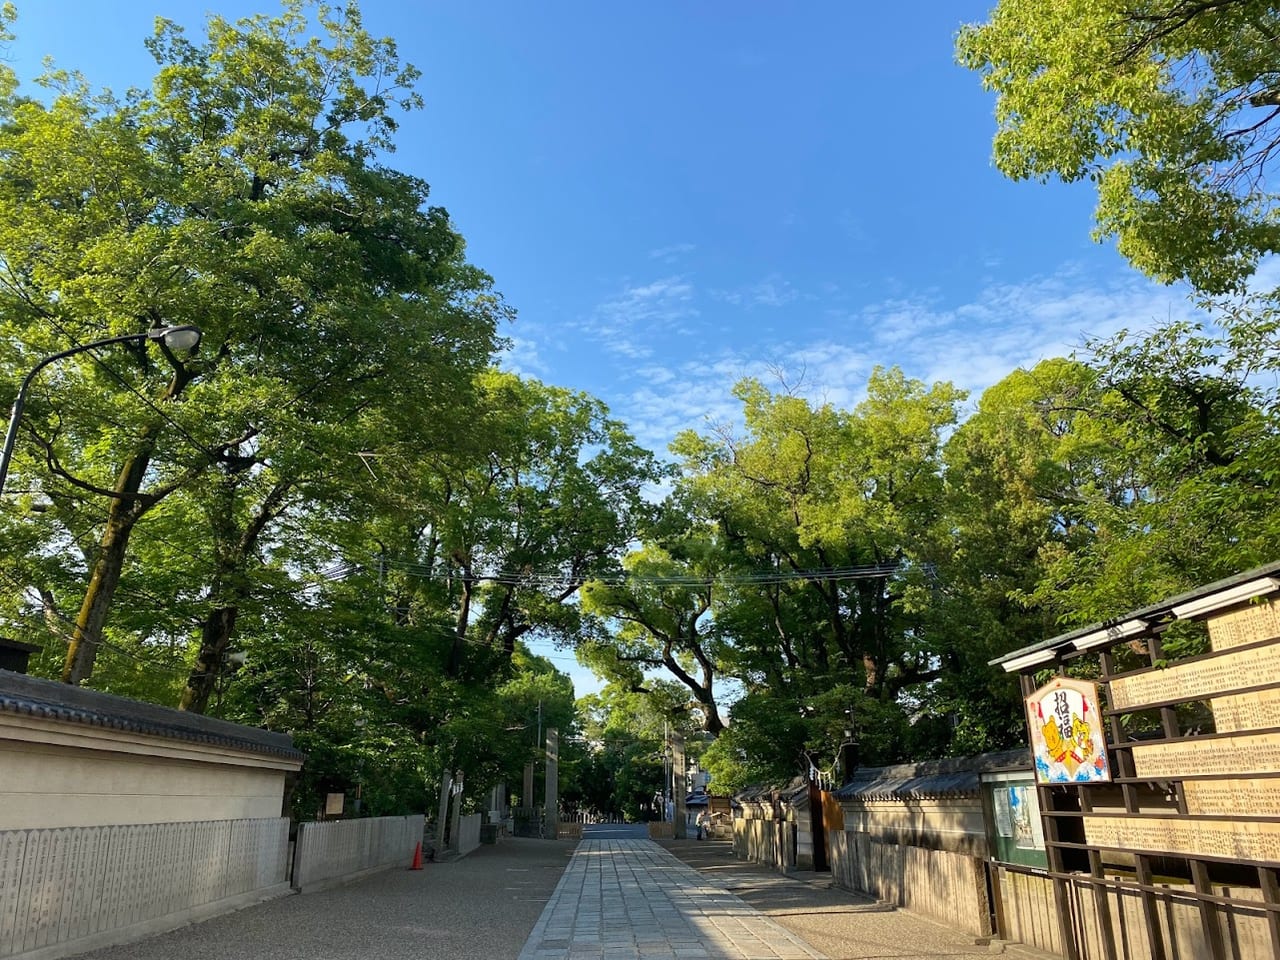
x,y
1067,739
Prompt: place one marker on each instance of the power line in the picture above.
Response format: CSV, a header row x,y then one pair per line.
x,y
559,578
103,642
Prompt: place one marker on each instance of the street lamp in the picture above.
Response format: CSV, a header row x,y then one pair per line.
x,y
185,338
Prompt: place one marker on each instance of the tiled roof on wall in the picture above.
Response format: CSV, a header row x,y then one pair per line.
x,y
30,696
932,778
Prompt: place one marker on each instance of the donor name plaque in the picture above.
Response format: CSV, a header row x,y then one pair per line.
x,y
1067,740
1256,842
1213,676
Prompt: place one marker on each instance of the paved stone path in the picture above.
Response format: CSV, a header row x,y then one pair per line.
x,y
632,900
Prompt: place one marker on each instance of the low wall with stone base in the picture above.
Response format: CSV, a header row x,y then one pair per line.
x,y
331,853
66,890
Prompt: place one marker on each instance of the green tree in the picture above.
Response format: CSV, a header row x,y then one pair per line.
x,y
1018,474
1187,414
659,617
827,515
503,540
628,733
242,192
1168,106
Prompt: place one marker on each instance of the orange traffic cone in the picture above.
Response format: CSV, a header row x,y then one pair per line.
x,y
417,857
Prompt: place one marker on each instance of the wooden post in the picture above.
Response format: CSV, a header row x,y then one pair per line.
x,y
1101,898
1209,925
1053,852
1267,880
1142,864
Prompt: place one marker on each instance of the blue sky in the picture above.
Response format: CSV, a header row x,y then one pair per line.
x,y
675,195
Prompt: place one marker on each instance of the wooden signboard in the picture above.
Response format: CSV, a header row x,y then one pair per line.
x,y
1240,756
1251,624
1067,740
1201,678
1247,711
1256,841
1229,797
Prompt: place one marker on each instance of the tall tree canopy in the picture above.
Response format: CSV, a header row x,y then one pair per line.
x,y
244,192
1171,107
824,519
659,615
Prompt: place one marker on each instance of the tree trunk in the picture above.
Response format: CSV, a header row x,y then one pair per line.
x,y
127,507
235,550
714,725
453,669
215,638
123,514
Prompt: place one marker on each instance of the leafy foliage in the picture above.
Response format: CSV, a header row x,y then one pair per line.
x,y
339,519
1168,106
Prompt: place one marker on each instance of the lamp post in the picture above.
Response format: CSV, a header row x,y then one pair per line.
x,y
184,338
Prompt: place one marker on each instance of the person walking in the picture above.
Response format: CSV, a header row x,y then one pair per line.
x,y
704,821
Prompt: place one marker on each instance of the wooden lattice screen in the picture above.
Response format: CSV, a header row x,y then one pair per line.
x,y
1193,813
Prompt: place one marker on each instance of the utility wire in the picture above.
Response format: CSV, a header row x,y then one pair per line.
x,y
103,642
555,578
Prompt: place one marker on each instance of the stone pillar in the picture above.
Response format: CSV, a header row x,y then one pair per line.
x,y
550,816
442,818
678,792
497,803
526,795
456,819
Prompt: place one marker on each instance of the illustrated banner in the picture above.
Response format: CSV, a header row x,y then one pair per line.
x,y
1067,738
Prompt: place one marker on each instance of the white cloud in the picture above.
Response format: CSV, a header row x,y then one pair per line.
x,y
1015,324
672,253
972,344
628,322
773,291
521,357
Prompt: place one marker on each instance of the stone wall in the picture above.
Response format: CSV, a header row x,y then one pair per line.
x,y
469,833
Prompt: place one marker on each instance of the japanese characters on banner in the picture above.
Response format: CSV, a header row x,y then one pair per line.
x,y
1067,738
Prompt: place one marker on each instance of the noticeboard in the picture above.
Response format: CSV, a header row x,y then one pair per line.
x,y
1014,828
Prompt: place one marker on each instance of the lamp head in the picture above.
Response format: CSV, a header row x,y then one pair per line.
x,y
183,338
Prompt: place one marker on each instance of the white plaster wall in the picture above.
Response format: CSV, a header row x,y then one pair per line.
x,y
48,785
